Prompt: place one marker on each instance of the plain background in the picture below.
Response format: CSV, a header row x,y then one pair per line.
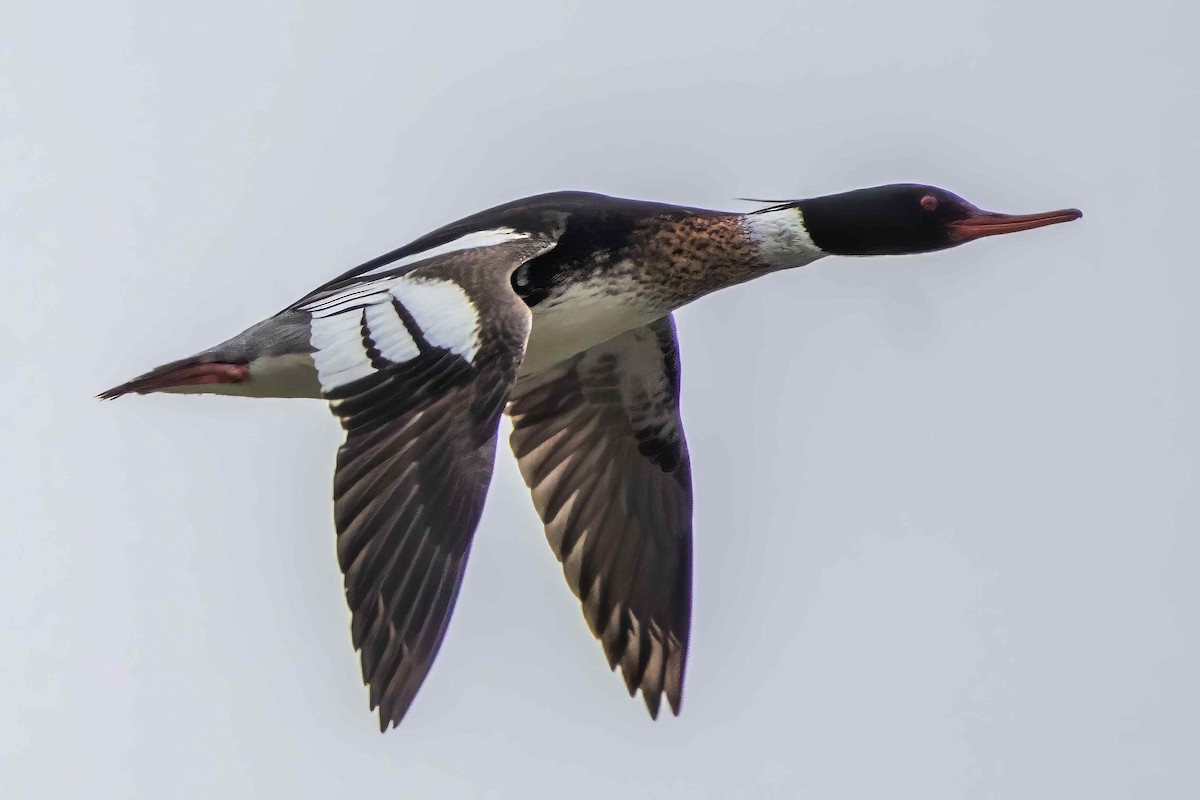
x,y
946,505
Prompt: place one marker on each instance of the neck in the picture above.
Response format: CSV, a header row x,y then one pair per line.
x,y
781,238
687,257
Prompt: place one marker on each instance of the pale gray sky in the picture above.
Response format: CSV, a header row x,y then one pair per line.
x,y
946,517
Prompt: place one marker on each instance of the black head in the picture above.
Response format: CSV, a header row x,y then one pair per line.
x,y
907,218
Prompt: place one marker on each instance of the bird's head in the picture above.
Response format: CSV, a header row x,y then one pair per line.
x,y
907,218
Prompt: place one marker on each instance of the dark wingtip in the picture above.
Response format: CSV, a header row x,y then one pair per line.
x,y
653,701
675,700
385,719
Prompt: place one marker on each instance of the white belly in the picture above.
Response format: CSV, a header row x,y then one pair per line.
x,y
585,315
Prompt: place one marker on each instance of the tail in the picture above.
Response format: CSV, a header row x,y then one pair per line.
x,y
200,370
270,359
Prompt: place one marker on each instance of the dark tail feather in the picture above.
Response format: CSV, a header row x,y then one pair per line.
x,y
194,371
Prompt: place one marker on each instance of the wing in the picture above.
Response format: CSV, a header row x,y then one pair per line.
x,y
417,368
599,441
543,214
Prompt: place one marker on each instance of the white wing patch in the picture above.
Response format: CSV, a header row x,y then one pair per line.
x,y
466,242
347,325
338,351
444,313
389,333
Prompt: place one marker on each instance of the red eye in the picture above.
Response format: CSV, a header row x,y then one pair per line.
x,y
929,203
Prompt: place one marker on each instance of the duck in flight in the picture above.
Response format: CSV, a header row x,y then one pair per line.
x,y
557,310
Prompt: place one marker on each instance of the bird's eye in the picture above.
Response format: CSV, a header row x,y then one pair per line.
x,y
929,203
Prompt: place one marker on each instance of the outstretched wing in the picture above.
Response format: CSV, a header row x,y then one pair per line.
x,y
544,214
599,441
417,368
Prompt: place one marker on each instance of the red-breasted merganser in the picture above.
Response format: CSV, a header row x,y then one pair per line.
x,y
555,309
